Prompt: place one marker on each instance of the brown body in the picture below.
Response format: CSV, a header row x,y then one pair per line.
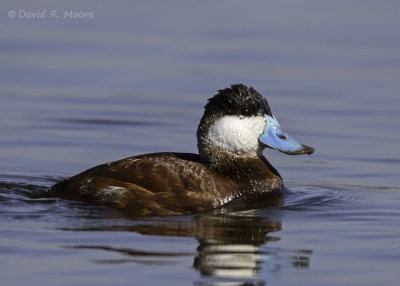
x,y
169,183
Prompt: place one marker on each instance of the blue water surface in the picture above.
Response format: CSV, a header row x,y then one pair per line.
x,y
133,79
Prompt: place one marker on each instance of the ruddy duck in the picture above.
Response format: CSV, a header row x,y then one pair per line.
x,y
236,126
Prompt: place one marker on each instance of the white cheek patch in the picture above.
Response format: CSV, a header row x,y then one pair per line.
x,y
237,133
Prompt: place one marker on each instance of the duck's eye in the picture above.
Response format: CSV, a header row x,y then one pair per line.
x,y
283,137
245,111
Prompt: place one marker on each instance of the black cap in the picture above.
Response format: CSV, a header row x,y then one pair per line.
x,y
238,100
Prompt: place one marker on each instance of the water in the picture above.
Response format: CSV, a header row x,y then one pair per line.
x,y
77,93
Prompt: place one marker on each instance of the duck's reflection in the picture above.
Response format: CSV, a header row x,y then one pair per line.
x,y
229,245
234,246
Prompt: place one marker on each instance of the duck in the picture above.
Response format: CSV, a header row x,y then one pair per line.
x,y
236,127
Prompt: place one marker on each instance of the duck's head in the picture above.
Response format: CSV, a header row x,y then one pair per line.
x,y
238,120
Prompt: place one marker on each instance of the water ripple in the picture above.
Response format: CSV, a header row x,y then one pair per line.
x,y
309,197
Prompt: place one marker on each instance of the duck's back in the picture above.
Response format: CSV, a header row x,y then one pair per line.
x,y
158,183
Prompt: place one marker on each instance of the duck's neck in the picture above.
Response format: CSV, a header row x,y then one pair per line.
x,y
250,167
